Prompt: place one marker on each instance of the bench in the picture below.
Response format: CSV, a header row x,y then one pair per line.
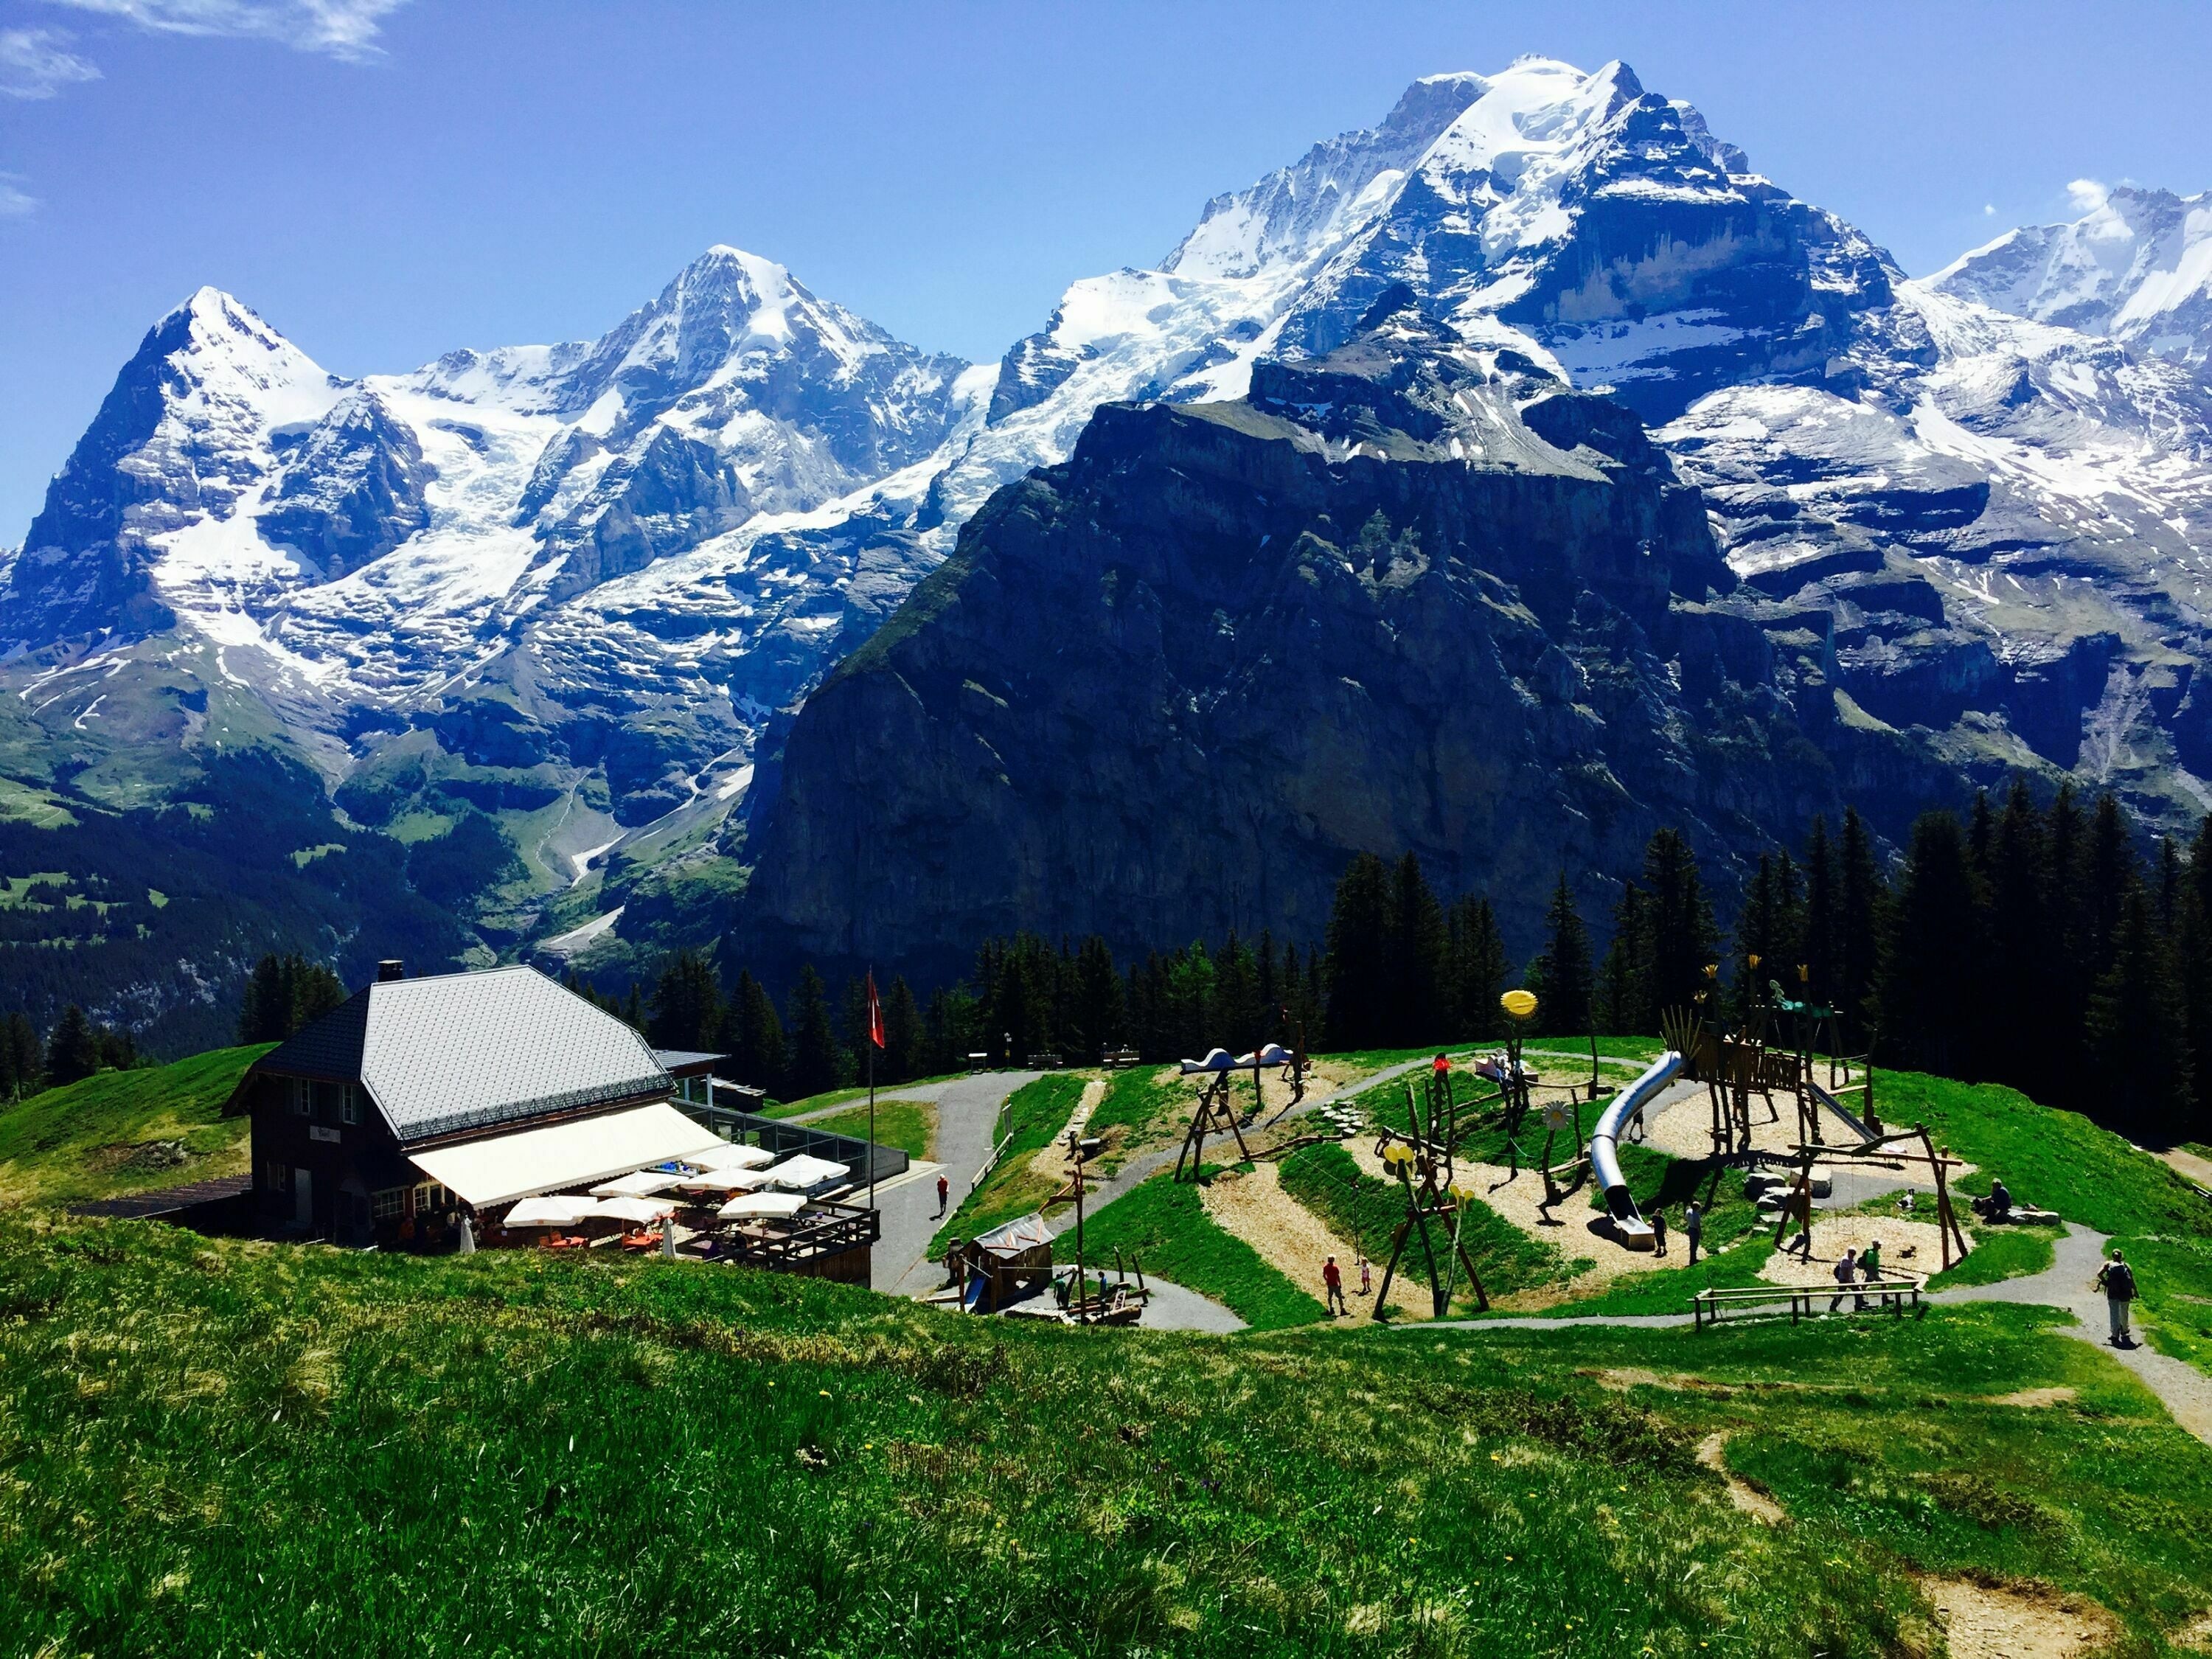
x,y
1893,1294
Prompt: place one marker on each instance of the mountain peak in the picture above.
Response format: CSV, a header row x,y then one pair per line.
x,y
2136,266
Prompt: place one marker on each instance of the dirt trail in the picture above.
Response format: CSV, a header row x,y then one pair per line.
x,y
1286,1235
1914,1247
1050,1160
1990,1621
1712,1452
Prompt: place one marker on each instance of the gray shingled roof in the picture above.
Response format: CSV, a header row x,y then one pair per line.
x,y
465,1051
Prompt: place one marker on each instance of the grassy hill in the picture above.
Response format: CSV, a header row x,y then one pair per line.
x,y
125,1131
222,1448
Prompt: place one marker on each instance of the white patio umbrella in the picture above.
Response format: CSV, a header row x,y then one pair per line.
x,y
640,1210
802,1170
556,1211
752,1204
636,1185
728,1155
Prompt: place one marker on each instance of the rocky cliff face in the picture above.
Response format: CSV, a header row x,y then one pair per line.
x,y
1403,598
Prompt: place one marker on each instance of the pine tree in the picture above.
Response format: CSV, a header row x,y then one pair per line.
x,y
1100,1012
1477,972
1358,971
284,994
1560,975
1238,1014
73,1050
1188,1008
1930,951
1684,938
2018,885
22,1058
2194,948
2134,1027
1768,933
817,1061
1623,998
900,1059
756,1039
1824,901
1414,957
1863,897
687,1005
2067,973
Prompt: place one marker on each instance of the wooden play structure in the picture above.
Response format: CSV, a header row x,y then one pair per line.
x,y
1215,1111
1425,1158
1890,1149
1079,1306
1780,1046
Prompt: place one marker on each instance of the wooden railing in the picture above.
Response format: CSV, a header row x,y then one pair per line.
x,y
1870,1295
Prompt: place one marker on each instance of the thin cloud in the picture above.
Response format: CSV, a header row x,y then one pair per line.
x,y
37,63
343,28
15,201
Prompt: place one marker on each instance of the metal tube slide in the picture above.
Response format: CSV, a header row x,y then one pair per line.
x,y
1605,1148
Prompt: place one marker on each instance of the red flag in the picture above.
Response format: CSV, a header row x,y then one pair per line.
x,y
875,1012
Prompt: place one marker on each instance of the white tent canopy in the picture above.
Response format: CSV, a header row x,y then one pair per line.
x,y
550,1211
803,1169
754,1205
728,1155
593,1149
637,1185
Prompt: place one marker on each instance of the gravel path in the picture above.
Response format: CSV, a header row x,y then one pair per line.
x,y
1287,1236
2067,1284
967,1115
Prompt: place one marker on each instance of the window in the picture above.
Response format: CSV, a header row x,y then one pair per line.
x,y
389,1204
349,1103
297,1088
276,1176
431,1198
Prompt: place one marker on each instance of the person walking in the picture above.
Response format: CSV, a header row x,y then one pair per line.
x,y
1693,1227
1332,1277
2117,1282
1846,1275
1366,1277
1658,1232
944,1196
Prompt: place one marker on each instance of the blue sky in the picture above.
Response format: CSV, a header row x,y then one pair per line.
x,y
386,179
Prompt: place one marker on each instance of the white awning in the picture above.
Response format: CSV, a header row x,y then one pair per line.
x,y
492,1171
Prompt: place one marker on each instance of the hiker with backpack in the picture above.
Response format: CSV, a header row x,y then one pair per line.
x,y
2117,1282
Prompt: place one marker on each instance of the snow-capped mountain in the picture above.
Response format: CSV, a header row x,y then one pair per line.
x,y
583,578
2136,267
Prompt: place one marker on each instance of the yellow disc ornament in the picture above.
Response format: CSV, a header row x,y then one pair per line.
x,y
1519,1003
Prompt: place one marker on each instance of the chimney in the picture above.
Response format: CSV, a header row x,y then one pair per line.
x,y
389,969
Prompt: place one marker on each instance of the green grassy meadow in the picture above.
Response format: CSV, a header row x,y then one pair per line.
x,y
94,1138
909,1125
221,1447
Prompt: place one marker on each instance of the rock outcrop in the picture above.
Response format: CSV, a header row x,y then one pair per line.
x,y
1399,598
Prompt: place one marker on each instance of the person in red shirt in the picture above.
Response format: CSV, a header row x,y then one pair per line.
x,y
1332,1276
944,1194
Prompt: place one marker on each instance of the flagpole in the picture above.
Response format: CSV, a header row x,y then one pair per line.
x,y
875,1023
